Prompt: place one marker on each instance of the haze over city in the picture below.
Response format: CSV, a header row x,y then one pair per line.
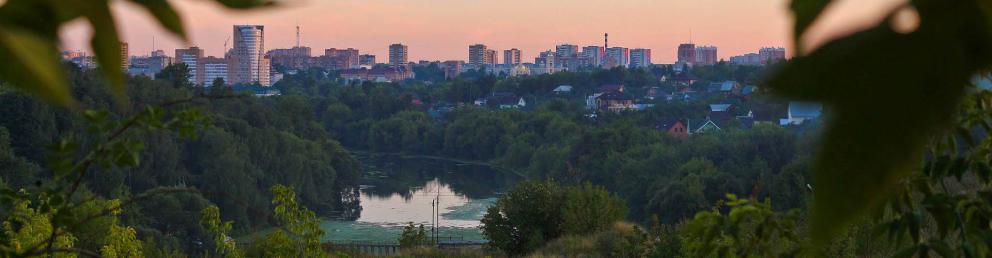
x,y
442,30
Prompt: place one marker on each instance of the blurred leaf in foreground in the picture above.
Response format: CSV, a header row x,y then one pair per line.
x,y
888,93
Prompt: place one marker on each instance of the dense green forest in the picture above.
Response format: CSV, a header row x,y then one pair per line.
x,y
251,144
656,173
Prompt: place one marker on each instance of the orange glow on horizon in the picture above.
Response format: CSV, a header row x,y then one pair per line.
x,y
443,29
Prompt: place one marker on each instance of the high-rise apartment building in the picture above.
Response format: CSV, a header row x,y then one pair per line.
x,y
771,54
511,56
566,51
687,53
125,57
706,55
157,62
491,57
617,56
214,68
192,57
338,59
764,56
477,54
366,60
398,54
296,57
545,59
593,55
249,63
640,58
452,68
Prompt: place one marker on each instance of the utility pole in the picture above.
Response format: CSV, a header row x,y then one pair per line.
x,y
437,216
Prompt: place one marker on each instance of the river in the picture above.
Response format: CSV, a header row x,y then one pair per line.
x,y
396,190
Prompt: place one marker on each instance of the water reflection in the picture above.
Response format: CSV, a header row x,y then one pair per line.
x,y
396,190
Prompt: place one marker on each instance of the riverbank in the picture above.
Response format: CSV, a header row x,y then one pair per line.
x,y
492,165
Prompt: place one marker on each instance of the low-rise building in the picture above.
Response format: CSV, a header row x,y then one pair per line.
x,y
378,74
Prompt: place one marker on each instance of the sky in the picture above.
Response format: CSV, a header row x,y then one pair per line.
x,y
443,29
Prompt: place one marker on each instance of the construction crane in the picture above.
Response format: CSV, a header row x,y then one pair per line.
x,y
225,44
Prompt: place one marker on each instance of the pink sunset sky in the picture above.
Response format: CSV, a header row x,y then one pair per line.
x,y
443,29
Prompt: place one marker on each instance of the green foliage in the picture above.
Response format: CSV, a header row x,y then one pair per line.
x,y
590,209
861,160
943,209
617,240
413,236
223,246
122,242
748,229
533,213
298,224
27,228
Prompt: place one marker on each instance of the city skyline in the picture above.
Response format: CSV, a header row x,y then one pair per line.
x,y
440,31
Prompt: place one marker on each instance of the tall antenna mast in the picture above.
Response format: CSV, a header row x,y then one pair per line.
x,y
297,35
606,40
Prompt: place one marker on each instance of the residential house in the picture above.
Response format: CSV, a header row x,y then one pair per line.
x,y
748,90
611,88
653,93
801,112
683,79
563,89
674,127
722,113
706,126
615,101
725,87
502,100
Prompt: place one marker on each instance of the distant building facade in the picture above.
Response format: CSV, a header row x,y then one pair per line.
x,y
338,59
511,56
379,74
249,63
706,55
366,60
617,56
566,50
687,53
491,57
192,57
125,57
452,68
296,57
771,54
477,54
763,57
640,58
214,68
398,54
593,56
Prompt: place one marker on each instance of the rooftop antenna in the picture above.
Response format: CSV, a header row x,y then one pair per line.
x,y
690,36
